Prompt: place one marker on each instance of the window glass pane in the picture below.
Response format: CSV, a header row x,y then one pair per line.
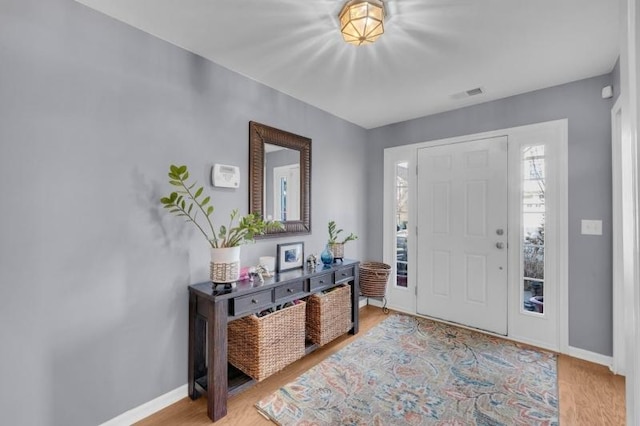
x,y
533,220
283,199
402,219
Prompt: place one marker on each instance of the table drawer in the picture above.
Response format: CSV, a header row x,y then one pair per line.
x,y
289,290
343,275
320,281
252,302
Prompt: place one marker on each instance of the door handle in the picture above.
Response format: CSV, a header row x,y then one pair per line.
x,y
500,245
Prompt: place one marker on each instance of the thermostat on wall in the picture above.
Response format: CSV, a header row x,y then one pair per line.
x,y
225,176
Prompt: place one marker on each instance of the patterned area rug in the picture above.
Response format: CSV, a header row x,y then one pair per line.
x,y
412,371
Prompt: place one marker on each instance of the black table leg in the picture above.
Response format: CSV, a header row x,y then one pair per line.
x,y
217,379
355,301
195,354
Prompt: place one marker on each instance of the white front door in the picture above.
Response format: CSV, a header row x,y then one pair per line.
x,y
462,233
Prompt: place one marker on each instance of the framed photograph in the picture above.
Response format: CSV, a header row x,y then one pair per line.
x,y
290,256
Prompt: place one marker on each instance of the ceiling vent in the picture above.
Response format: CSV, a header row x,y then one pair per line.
x,y
476,91
468,93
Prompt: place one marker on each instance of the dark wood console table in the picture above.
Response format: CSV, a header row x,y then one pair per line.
x,y
211,308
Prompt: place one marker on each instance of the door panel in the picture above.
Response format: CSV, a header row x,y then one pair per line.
x,y
476,278
441,276
462,202
440,206
475,224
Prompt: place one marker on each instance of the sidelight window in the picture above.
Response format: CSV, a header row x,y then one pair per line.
x,y
402,221
533,228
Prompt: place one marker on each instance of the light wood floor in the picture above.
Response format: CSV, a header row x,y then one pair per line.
x,y
589,393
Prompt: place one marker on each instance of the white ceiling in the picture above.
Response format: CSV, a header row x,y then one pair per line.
x,y
431,51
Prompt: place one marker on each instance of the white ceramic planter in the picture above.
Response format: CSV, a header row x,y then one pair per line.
x,y
225,264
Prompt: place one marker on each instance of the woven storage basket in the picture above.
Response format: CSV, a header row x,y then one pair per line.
x,y
260,347
329,315
373,278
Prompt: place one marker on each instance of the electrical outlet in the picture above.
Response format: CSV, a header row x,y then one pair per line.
x,y
591,227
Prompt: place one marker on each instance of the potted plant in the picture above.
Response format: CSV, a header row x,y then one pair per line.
x,y
335,246
189,202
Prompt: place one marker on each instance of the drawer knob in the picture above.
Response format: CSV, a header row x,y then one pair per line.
x,y
343,274
321,282
254,301
289,290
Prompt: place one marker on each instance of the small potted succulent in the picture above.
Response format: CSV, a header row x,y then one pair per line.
x,y
335,245
189,202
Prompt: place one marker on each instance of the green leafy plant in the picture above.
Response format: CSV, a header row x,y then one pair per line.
x,y
188,201
334,232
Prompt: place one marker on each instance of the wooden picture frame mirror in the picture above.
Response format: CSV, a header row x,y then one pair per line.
x,y
280,179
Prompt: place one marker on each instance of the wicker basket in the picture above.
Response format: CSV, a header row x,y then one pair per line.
x,y
373,278
329,315
260,347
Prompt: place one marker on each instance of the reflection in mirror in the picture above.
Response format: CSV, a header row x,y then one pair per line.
x,y
280,178
281,183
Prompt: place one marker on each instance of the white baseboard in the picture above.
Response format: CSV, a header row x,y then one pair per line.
x,y
362,302
148,408
401,309
594,357
374,302
163,401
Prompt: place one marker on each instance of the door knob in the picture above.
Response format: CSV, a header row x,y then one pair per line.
x,y
500,245
499,231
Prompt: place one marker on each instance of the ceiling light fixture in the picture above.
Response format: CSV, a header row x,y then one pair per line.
x,y
362,21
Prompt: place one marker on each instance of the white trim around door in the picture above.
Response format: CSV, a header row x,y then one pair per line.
x,y
618,179
630,95
549,331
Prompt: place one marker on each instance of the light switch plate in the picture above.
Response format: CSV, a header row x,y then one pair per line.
x,y
591,227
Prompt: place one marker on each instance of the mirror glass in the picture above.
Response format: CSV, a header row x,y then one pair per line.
x,y
280,178
281,183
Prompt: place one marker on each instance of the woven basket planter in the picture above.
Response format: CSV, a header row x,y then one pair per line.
x,y
329,315
337,249
225,264
373,278
260,347
224,273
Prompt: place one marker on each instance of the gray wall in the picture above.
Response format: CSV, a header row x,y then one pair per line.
x,y
93,272
590,293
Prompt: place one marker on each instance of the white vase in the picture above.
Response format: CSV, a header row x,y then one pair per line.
x,y
225,264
